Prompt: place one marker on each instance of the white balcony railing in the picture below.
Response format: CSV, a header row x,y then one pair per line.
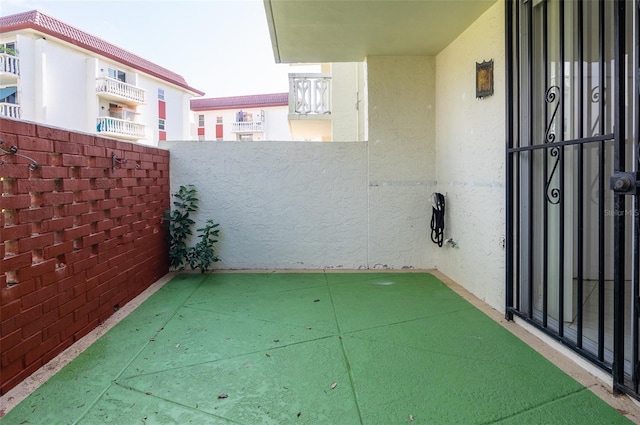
x,y
9,64
247,127
120,128
10,110
310,94
119,90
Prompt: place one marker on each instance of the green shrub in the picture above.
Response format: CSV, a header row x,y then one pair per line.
x,y
202,254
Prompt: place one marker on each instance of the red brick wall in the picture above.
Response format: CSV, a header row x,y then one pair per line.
x,y
78,239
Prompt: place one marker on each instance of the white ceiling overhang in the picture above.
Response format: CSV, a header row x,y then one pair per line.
x,y
350,30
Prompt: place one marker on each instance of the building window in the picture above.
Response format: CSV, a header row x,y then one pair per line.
x,y
161,124
245,137
8,94
160,94
244,116
117,74
218,120
121,112
8,48
200,120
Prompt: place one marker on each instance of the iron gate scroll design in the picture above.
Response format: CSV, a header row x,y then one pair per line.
x,y
572,123
551,97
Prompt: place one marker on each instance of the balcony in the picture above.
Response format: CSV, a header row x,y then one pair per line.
x,y
110,88
248,127
120,129
309,96
9,68
9,110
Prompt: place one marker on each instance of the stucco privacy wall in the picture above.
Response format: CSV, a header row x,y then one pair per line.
x,y
470,164
289,205
280,205
77,241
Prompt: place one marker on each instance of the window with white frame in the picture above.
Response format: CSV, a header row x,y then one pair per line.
x,y
200,120
245,137
160,94
117,74
218,120
8,48
161,124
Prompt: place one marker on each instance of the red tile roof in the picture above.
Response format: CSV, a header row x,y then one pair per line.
x,y
40,22
252,101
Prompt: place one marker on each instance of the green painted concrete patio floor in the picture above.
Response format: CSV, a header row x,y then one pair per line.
x,y
317,348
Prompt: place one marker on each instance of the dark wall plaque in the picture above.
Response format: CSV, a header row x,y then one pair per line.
x,y
484,79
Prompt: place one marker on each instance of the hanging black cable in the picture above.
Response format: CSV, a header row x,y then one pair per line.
x,y
437,219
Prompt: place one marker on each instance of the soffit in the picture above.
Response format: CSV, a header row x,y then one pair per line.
x,y
350,30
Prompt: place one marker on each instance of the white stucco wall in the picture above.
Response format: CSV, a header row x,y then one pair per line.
x,y
401,159
277,124
470,169
48,88
280,205
64,91
346,81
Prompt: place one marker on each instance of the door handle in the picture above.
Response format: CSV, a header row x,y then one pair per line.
x,y
625,183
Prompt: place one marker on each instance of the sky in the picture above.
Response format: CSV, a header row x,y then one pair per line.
x,y
221,47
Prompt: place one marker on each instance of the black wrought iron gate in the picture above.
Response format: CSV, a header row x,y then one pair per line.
x,y
573,215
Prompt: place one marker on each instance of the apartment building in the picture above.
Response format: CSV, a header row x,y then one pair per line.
x,y
241,118
55,74
324,103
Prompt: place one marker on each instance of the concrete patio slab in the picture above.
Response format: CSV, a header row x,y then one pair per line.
x,y
310,348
